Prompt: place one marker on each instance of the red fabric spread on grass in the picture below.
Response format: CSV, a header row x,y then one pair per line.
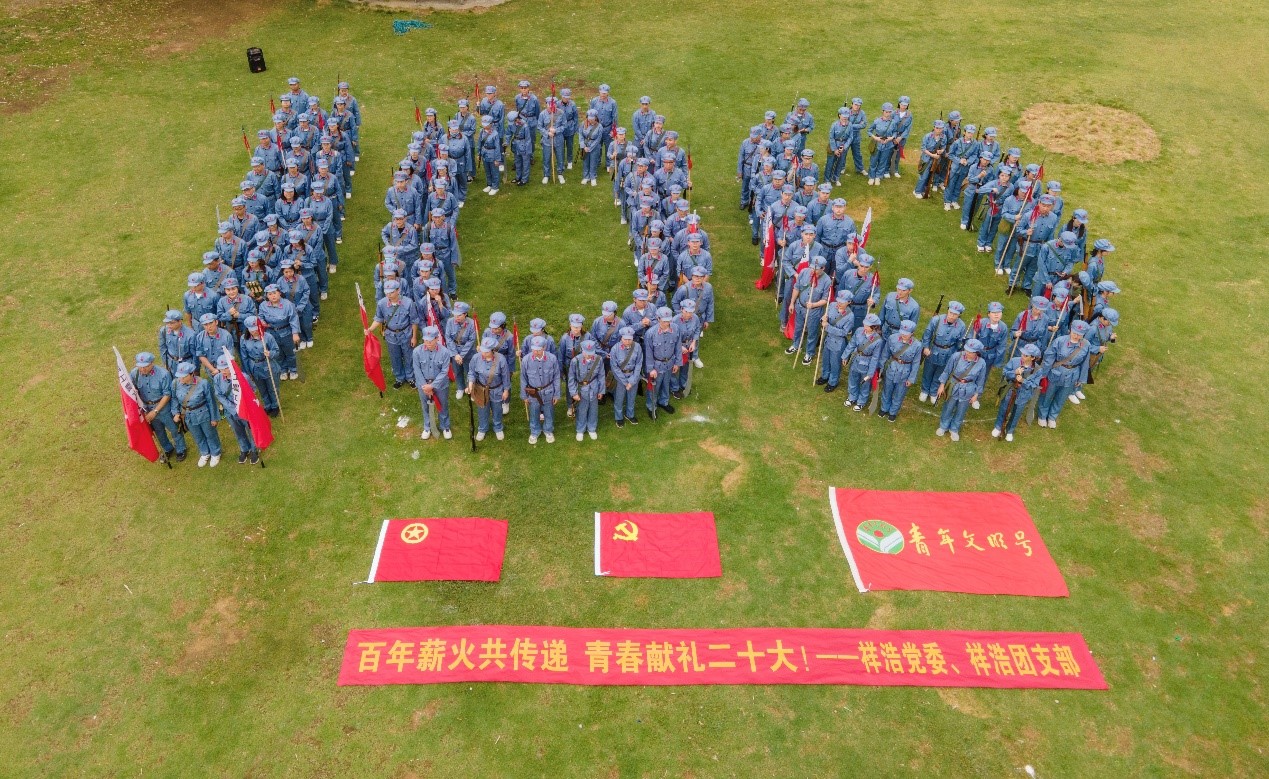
x,y
673,656
976,542
453,549
666,546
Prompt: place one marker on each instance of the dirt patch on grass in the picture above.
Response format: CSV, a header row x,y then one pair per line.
x,y
963,700
473,83
1115,740
216,630
1143,464
425,714
723,452
883,616
620,491
1092,133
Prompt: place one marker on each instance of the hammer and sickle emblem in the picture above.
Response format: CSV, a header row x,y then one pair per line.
x,y
414,533
626,531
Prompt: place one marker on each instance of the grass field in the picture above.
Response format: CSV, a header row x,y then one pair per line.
x,y
190,623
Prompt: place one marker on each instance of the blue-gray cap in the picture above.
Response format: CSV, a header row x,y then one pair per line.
x,y
398,213
604,88
173,315
887,107
461,308
252,323
490,89
427,248
497,319
566,92
838,202
523,84
576,320
971,128
537,325
194,279
809,153
818,263
769,115
1111,315
1055,186
1030,350
537,343
804,103
904,283
433,283
939,124
973,346
755,131
1014,151
700,270
990,131
626,332
230,283
808,229
904,100
1079,327
1103,245
826,187
955,307
995,307
1039,302
1048,200
144,359
488,344
207,319
210,257
391,285
787,189
688,305
222,361
1067,236
1108,286
610,306
872,320
906,326
953,116
856,101
431,333
843,111
588,346
1080,215
184,369
664,314
864,260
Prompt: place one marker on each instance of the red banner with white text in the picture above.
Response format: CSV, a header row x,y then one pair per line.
x,y
976,542
675,656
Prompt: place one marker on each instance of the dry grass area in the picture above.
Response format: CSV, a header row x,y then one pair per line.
x,y
1092,133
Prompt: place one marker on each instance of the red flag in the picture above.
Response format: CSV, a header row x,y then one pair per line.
x,y
876,378
689,159
666,546
247,406
245,142
977,323
372,351
977,542
321,121
515,336
789,326
768,254
140,436
418,116
272,108
866,230
455,549
552,89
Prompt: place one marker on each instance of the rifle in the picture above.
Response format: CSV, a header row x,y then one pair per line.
x,y
1010,411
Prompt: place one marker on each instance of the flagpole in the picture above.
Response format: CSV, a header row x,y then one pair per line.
x,y
819,353
268,365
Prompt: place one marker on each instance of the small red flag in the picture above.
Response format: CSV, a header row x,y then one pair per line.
x,y
689,159
977,324
372,351
866,230
455,549
247,406
418,115
515,336
245,142
140,436
272,109
768,255
789,326
664,546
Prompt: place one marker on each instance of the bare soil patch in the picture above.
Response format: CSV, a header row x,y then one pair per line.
x,y
216,630
1092,133
723,452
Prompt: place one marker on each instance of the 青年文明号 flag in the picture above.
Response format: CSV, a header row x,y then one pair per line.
x,y
140,437
668,546
976,542
453,549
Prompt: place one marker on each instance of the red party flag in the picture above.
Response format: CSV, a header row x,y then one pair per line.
x,y
452,549
247,405
140,436
768,254
664,546
372,351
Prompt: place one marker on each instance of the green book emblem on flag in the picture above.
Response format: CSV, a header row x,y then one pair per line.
x,y
880,536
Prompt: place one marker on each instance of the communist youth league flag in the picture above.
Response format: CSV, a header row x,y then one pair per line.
x,y
666,546
453,549
140,438
247,405
372,351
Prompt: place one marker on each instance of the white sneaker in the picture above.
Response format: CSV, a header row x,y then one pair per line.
x,y
918,196
1008,436
561,178
331,268
975,404
593,183
956,436
837,183
546,179
697,362
616,202
939,432
480,436
1080,394
1000,271
995,432
1074,399
448,434
493,192
484,189
1053,424
924,397
499,435
323,296
299,347
533,439
203,461
506,408
550,438
570,166
308,344
623,221
963,227
426,434
887,175
295,374
283,376
580,436
458,395
594,436
215,460
501,168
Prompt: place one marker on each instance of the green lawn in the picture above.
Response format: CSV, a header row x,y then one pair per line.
x,y
191,623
